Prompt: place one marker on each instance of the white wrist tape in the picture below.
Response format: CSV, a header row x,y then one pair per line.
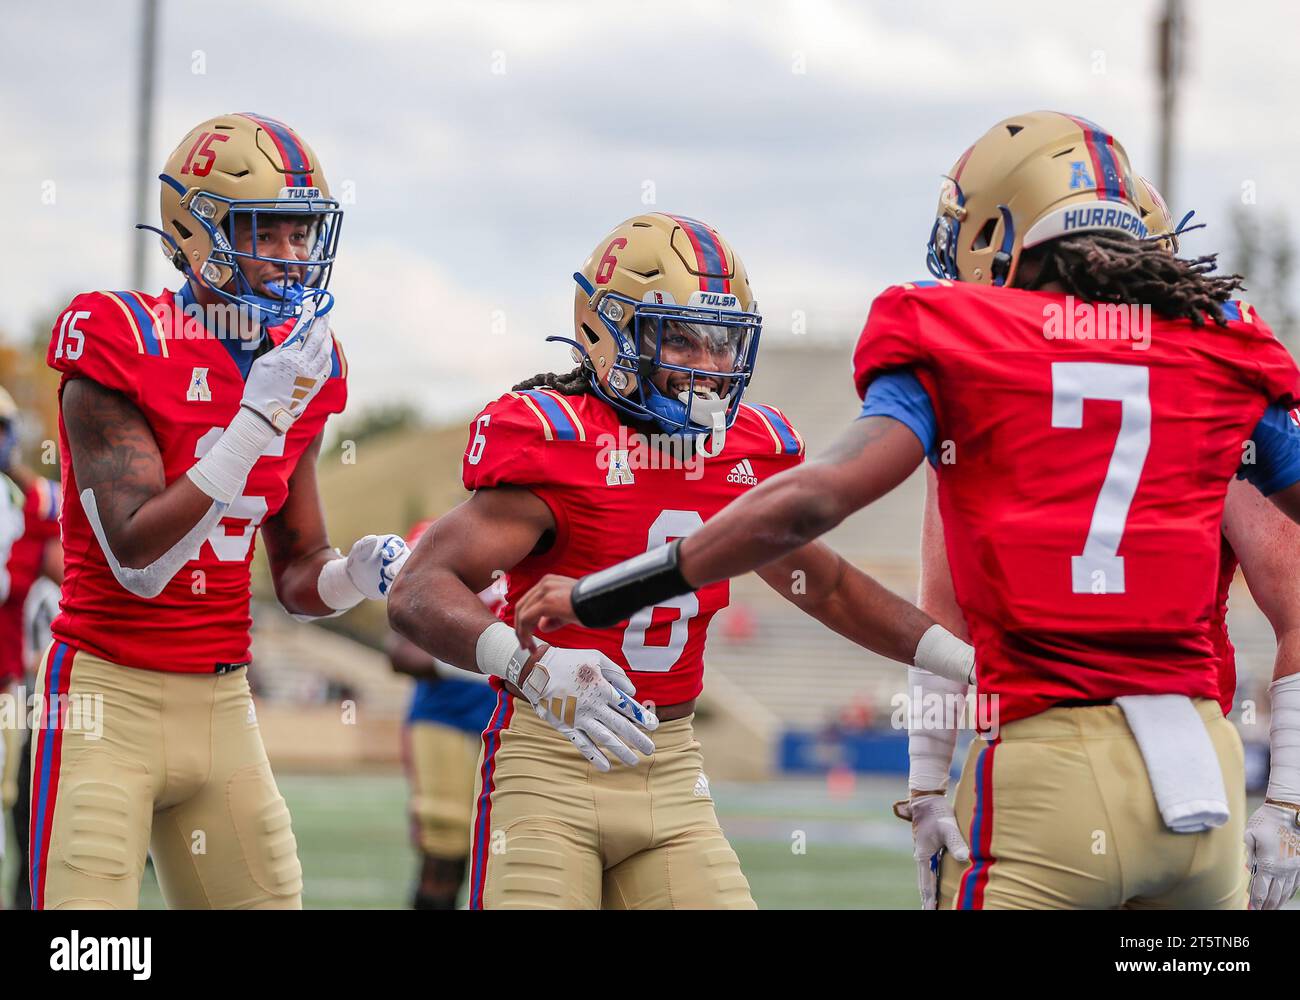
x,y
931,728
336,588
1284,740
150,581
495,649
222,472
942,653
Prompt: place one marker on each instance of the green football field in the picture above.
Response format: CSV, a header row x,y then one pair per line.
x,y
799,845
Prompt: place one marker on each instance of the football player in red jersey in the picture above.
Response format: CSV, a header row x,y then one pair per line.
x,y
645,441
1254,532
35,553
188,421
1083,537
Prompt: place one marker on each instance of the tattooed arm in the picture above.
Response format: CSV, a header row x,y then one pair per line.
x,y
115,456
297,546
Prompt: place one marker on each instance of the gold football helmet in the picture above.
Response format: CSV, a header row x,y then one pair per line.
x,y
1156,216
236,167
1029,179
658,276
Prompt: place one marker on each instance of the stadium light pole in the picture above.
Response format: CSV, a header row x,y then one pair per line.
x,y
144,133
1170,62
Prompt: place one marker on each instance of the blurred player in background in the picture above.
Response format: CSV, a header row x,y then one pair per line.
x,y
1104,664
35,555
11,529
1262,538
39,612
643,442
188,422
449,710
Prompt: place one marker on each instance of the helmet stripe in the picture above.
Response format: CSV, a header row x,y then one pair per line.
x,y
961,164
710,259
1111,182
294,158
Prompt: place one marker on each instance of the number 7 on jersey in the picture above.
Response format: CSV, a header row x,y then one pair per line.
x,y
1099,569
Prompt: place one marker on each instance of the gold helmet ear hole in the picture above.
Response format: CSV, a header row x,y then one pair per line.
x,y
618,380
984,238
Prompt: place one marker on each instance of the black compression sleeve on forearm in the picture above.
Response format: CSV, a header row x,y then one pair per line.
x,y
615,594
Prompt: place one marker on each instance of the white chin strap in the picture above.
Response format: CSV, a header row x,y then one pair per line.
x,y
706,410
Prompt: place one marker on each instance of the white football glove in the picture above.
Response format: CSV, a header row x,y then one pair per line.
x,y
587,697
367,572
1273,855
934,830
284,380
374,562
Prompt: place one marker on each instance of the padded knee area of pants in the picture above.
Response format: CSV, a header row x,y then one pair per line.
x,y
695,872
103,820
538,866
708,875
261,820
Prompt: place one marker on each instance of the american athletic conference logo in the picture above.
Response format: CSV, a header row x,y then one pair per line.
x,y
743,474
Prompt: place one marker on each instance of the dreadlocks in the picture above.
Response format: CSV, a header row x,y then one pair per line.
x,y
1104,268
572,383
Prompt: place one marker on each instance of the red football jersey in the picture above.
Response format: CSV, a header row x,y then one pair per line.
x,y
41,505
613,500
1224,651
1081,481
188,387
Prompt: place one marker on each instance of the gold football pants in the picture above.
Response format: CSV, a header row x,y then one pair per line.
x,y
441,761
550,831
128,761
1059,814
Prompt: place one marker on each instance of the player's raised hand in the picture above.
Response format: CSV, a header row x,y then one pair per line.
x,y
1273,855
548,605
587,697
934,830
285,379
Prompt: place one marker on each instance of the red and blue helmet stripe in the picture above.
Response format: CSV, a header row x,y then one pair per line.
x,y
1112,184
297,165
710,258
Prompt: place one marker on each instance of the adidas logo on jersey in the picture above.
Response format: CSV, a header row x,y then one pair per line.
x,y
743,474
701,790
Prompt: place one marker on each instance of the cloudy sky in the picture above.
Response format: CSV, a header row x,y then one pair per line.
x,y
485,147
